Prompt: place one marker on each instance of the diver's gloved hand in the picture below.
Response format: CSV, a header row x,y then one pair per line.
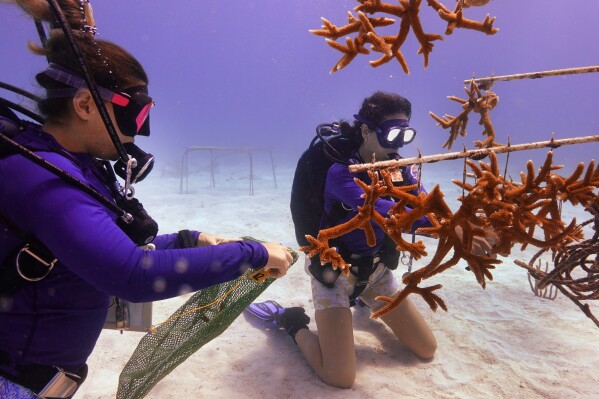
x,y
292,320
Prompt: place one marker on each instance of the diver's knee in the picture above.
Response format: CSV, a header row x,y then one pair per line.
x,y
340,375
345,381
427,351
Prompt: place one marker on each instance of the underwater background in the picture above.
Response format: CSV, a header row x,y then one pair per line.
x,y
248,73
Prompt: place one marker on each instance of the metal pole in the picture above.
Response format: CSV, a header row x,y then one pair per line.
x,y
473,153
251,173
272,163
533,75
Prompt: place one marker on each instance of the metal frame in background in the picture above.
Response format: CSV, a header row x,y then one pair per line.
x,y
212,149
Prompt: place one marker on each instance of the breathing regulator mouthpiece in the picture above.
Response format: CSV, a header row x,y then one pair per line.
x,y
140,169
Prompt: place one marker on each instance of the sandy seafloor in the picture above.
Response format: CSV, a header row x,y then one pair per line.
x,y
501,342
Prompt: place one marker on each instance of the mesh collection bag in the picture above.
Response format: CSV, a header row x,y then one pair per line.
x,y
203,317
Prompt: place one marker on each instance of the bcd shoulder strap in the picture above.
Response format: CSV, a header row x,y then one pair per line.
x,y
10,129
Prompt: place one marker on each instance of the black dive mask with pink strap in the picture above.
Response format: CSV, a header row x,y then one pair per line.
x,y
131,106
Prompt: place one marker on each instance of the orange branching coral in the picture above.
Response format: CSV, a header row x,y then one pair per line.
x,y
320,245
477,102
354,46
512,211
366,213
474,3
390,46
455,19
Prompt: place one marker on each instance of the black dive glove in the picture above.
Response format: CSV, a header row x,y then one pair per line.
x,y
292,320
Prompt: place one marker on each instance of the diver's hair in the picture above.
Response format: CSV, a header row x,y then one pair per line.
x,y
375,109
381,104
110,65
40,9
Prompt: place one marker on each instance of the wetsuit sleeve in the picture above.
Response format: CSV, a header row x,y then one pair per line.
x,y
170,241
83,235
340,186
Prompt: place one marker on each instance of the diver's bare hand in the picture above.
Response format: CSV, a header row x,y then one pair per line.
x,y
481,245
206,239
279,259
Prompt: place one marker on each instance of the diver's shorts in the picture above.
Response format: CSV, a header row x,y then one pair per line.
x,y
382,282
10,390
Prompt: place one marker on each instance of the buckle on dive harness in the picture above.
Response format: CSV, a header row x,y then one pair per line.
x,y
64,384
33,264
121,315
363,266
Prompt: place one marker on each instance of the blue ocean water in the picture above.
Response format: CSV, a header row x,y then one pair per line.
x,y
249,73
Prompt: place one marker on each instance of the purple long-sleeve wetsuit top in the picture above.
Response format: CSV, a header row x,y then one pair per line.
x,y
57,321
340,187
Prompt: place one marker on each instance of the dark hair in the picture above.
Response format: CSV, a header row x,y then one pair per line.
x,y
375,109
110,65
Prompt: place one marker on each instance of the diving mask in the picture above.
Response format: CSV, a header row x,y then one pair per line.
x,y
132,105
394,133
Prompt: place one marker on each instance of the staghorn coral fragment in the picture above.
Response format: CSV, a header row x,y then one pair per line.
x,y
475,3
434,301
408,12
480,104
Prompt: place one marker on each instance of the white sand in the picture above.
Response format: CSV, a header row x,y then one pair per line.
x,y
502,342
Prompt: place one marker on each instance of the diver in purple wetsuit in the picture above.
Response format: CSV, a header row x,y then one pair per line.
x,y
49,327
381,128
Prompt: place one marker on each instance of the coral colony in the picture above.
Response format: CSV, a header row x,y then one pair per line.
x,y
390,46
512,210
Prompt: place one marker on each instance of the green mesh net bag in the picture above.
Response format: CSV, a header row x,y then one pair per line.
x,y
202,318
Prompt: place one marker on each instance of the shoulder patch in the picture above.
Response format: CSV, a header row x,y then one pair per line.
x,y
413,170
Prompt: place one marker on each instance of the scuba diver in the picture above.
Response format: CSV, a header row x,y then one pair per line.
x,y
70,236
380,129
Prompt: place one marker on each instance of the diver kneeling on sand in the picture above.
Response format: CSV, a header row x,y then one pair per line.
x,y
324,195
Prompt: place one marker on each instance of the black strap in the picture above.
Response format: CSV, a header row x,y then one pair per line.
x,y
185,239
389,254
32,156
15,229
89,79
11,281
362,268
324,274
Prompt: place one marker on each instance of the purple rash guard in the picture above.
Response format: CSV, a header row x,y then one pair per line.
x,y
341,187
57,321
